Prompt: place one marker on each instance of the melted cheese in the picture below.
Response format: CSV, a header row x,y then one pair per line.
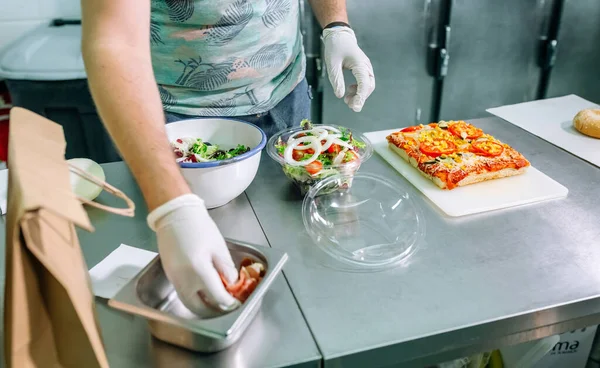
x,y
462,160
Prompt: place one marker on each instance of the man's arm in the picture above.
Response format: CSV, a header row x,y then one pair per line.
x,y
116,51
329,11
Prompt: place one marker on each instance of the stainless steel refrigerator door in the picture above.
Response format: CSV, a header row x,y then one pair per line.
x,y
577,66
393,35
493,55
311,35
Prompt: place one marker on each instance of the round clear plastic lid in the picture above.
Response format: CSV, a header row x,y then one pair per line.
x,y
364,221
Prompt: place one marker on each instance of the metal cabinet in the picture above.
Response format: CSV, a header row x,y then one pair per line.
x,y
577,66
493,56
452,59
393,34
311,34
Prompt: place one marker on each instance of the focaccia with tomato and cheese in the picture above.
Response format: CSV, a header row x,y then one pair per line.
x,y
455,153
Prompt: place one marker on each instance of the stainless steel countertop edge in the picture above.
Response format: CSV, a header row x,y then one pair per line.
x,y
501,337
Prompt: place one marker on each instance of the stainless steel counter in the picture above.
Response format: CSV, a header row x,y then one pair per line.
x,y
278,337
479,282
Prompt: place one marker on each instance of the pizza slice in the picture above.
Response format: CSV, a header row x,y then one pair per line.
x,y
455,153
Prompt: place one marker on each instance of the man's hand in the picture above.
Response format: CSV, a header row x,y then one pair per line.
x,y
193,253
342,52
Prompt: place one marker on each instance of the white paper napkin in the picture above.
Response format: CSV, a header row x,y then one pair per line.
x,y
117,269
552,120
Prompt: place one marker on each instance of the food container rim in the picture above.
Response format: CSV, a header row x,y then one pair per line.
x,y
219,327
365,153
203,165
308,201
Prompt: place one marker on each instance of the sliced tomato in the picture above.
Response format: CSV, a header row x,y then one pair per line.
x,y
297,155
487,148
246,283
433,125
314,167
334,148
438,147
410,129
464,130
244,292
233,288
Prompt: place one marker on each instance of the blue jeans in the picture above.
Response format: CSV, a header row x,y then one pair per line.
x,y
287,113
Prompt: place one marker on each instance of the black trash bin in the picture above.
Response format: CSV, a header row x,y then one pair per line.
x,y
44,73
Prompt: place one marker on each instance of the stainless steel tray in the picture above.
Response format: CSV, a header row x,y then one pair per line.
x,y
151,295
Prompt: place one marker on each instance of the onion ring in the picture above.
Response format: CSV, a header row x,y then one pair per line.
x,y
288,153
321,131
329,141
335,130
340,157
315,131
343,144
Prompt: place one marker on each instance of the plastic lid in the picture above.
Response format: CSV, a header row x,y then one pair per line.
x,y
46,54
364,220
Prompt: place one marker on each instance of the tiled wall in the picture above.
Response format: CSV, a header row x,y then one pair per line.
x,y
18,17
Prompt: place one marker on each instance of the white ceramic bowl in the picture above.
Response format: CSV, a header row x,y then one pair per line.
x,y
219,182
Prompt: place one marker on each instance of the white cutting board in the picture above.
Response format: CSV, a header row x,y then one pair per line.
x,y
533,186
552,120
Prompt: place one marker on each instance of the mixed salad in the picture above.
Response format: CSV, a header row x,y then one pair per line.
x,y
195,150
316,152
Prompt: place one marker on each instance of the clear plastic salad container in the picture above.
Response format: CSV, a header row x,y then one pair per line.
x,y
370,226
310,153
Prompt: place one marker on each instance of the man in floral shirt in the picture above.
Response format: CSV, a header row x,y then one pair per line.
x,y
227,58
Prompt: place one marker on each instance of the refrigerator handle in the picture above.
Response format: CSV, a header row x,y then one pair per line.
x,y
437,33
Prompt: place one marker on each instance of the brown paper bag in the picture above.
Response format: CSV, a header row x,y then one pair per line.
x,y
49,312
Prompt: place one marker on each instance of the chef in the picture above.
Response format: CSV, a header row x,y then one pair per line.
x,y
156,60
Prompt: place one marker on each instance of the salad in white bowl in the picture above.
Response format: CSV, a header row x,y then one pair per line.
x,y
188,149
311,153
219,158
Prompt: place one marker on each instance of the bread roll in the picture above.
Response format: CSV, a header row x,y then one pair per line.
x,y
588,122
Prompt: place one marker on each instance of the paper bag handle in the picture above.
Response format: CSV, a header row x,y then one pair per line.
x,y
127,212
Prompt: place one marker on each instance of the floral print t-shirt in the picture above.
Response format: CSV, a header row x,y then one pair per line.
x,y
225,57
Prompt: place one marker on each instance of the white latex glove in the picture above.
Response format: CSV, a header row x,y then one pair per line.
x,y
192,250
342,52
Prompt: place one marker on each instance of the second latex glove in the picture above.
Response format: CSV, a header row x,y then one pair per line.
x,y
193,253
341,51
